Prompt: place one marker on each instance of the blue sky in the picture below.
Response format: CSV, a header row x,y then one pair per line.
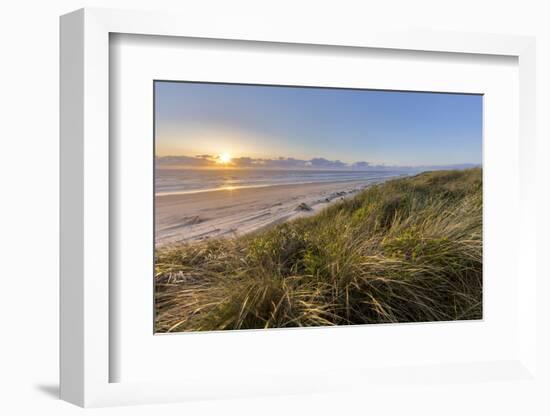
x,y
264,122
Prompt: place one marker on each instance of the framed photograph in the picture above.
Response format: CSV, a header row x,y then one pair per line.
x,y
247,237
241,202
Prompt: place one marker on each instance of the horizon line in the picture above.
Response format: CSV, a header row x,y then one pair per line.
x,y
211,161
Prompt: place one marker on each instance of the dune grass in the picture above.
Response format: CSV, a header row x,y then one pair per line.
x,y
408,250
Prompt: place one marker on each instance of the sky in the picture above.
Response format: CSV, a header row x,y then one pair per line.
x,y
195,123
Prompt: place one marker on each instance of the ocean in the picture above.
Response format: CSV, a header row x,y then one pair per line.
x,y
185,181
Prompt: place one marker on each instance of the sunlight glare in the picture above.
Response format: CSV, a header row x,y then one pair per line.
x,y
224,158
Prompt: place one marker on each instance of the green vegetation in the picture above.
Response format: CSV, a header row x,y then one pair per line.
x,y
408,250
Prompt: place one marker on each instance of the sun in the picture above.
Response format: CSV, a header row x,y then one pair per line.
x,y
224,158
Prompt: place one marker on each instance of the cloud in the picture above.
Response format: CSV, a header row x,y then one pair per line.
x,y
244,162
360,165
321,162
284,163
183,161
202,161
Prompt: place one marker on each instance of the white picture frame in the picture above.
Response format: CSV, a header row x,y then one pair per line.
x,y
85,210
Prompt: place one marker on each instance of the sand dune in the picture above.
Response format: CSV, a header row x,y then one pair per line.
x,y
225,213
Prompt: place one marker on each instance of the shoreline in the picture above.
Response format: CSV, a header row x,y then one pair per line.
x,y
237,187
197,216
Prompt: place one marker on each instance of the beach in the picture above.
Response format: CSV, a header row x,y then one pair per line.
x,y
407,250
198,216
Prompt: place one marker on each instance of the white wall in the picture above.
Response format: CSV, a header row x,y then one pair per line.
x,y
29,208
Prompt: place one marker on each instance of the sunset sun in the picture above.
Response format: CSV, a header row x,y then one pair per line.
x,y
224,158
